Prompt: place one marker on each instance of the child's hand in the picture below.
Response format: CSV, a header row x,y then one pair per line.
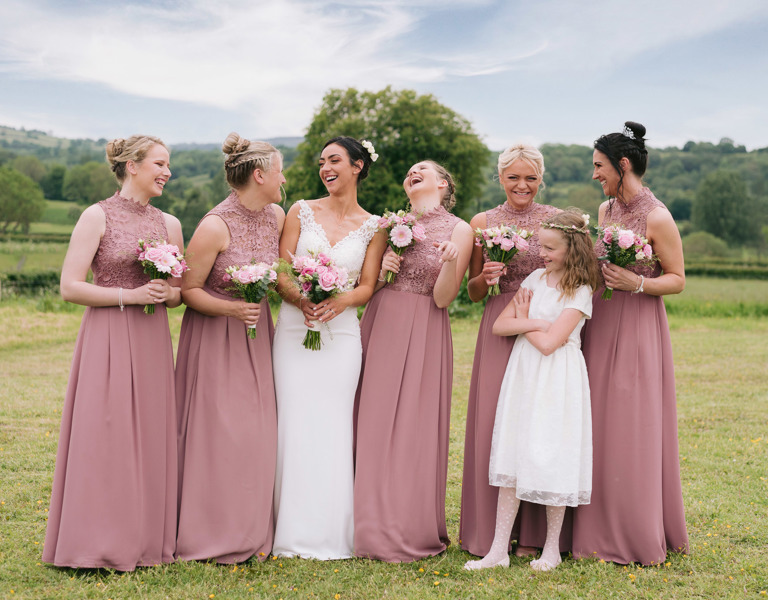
x,y
522,302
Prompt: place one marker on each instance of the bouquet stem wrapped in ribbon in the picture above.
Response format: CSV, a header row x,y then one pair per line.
x,y
624,248
403,230
502,243
317,278
251,283
160,260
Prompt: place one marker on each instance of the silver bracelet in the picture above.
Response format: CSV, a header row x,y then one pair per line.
x,y
120,299
640,287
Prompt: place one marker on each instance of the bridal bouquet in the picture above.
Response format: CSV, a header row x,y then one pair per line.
x,y
318,278
624,247
251,283
403,230
160,260
502,243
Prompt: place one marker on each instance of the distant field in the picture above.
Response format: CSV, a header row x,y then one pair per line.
x,y
57,212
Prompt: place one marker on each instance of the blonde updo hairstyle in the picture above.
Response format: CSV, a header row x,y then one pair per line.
x,y
526,152
580,261
448,199
244,157
135,148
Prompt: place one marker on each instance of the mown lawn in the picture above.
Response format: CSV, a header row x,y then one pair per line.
x,y
723,419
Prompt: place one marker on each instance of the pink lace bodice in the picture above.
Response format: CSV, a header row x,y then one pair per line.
x,y
115,263
421,260
524,263
252,237
632,215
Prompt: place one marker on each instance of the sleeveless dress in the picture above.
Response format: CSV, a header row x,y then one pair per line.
x,y
226,409
478,497
404,409
637,513
315,398
542,437
113,503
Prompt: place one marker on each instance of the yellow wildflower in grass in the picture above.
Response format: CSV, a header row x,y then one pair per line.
x,y
337,596
437,583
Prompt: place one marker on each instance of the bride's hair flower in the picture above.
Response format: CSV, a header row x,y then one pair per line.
x,y
371,150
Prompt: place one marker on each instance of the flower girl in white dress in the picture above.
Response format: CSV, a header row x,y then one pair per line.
x,y
541,450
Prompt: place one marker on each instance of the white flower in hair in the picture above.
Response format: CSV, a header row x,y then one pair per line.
x,y
586,219
371,150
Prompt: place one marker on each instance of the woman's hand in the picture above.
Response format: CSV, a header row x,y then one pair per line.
x,y
156,291
247,312
390,262
522,302
448,250
330,308
618,278
492,272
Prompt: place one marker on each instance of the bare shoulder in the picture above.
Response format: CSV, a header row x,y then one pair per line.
x,y
479,221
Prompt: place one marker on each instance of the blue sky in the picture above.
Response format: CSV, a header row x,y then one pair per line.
x,y
537,71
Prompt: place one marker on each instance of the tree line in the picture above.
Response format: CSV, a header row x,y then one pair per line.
x,y
717,191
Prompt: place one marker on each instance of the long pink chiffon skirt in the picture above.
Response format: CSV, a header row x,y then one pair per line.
x,y
113,503
403,423
227,438
636,513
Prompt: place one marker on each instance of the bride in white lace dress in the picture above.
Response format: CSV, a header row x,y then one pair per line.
x,y
316,389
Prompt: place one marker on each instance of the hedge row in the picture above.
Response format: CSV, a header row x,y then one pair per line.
x,y
35,237
727,271
29,282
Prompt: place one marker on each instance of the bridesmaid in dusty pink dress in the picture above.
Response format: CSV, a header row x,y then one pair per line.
x,y
404,397
113,503
224,386
636,514
520,168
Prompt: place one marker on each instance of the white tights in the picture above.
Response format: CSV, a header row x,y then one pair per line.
x,y
506,512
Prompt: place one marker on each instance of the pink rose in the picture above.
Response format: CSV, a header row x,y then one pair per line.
x,y
507,244
244,276
419,233
226,277
177,269
306,287
647,251
154,254
521,244
327,280
607,236
626,238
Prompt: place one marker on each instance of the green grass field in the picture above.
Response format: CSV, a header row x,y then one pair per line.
x,y
723,420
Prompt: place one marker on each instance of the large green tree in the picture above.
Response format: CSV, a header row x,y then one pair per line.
x,y
21,200
89,183
405,128
724,208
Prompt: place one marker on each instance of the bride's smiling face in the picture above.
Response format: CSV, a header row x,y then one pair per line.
x,y
336,169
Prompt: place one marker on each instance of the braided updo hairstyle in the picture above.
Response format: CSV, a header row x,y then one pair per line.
x,y
448,200
629,144
244,157
135,148
356,152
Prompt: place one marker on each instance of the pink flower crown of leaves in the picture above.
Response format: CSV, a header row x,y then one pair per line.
x,y
570,228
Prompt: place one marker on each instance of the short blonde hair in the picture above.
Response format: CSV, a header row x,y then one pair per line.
x,y
135,148
525,152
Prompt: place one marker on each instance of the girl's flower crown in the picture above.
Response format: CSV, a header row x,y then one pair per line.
x,y
570,228
371,150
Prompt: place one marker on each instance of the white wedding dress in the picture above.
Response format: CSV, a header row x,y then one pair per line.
x,y
315,398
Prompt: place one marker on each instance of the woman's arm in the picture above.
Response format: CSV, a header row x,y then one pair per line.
x,y
83,245
210,239
664,237
455,257
171,288
334,306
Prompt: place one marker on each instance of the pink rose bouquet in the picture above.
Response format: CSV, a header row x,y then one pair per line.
x,y
160,260
624,247
251,283
502,243
318,278
403,229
